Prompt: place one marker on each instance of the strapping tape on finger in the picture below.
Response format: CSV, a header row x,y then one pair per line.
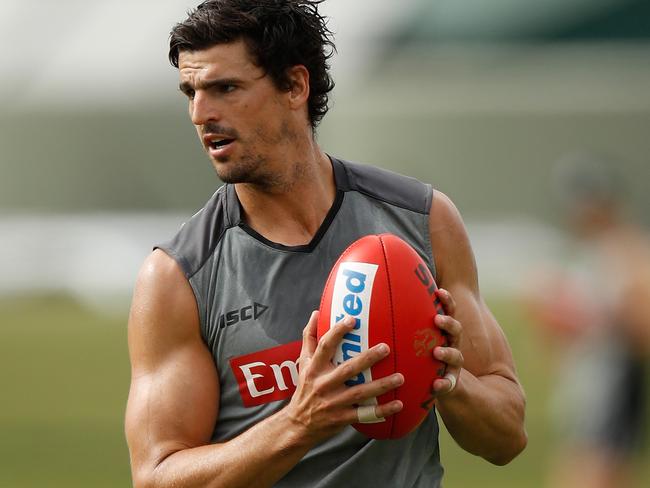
x,y
452,379
366,414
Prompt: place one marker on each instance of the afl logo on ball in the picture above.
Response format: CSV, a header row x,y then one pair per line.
x,y
424,341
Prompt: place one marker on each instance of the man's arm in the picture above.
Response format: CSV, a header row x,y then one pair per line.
x,y
485,411
174,396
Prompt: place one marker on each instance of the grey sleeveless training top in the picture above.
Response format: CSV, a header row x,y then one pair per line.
x,y
255,296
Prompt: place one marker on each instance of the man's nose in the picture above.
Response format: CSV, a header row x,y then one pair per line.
x,y
203,109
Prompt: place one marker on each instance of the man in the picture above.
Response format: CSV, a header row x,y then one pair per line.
x,y
224,391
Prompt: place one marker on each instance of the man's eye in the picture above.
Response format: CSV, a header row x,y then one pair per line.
x,y
227,88
188,93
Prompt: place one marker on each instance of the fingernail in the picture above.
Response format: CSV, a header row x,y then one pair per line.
x,y
396,406
439,353
398,379
382,348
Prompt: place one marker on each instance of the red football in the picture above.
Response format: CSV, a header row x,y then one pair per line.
x,y
384,284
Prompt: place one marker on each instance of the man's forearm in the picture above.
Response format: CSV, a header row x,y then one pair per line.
x,y
258,457
486,416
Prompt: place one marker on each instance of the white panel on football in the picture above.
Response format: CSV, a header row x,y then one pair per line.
x,y
351,296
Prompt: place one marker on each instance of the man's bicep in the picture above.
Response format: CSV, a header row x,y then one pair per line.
x,y
174,392
171,409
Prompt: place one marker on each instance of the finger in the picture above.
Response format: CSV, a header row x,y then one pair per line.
x,y
327,344
381,411
454,360
445,385
448,302
352,367
449,355
358,394
452,328
309,340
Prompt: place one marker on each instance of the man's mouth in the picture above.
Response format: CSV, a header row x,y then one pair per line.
x,y
219,143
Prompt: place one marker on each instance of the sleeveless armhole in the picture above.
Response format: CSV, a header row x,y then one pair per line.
x,y
196,241
394,189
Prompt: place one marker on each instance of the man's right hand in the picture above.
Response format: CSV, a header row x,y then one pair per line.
x,y
322,404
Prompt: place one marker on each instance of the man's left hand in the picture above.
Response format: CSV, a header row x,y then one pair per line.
x,y
449,354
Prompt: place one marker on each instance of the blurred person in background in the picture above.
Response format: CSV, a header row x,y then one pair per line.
x,y
596,316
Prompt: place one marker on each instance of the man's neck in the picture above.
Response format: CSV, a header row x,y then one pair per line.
x,y
291,211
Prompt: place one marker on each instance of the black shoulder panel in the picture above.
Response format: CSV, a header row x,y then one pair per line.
x,y
198,237
395,189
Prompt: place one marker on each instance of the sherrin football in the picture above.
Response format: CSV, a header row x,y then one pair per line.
x,y
382,282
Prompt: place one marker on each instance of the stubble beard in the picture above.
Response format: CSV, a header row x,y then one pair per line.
x,y
245,169
252,168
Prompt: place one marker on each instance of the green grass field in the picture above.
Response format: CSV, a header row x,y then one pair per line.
x,y
64,378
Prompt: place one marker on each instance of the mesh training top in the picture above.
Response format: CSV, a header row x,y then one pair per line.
x,y
254,298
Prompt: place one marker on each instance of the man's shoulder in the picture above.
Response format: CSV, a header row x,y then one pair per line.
x,y
197,238
384,185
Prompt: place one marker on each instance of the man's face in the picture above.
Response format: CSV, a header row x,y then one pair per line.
x,y
241,118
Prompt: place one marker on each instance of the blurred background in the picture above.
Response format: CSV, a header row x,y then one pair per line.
x,y
98,161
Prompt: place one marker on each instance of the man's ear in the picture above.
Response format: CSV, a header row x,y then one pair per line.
x,y
298,86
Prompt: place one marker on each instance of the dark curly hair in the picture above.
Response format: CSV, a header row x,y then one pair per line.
x,y
279,34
